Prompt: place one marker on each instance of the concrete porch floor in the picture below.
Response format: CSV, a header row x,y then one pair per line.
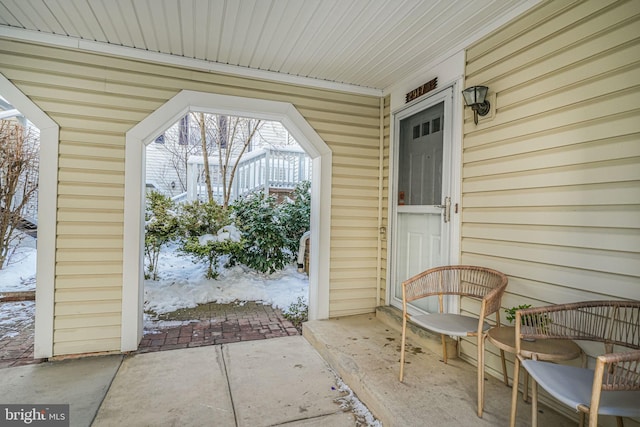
x,y
365,353
262,383
268,382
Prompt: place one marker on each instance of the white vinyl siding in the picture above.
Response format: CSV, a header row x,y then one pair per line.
x,y
551,178
96,99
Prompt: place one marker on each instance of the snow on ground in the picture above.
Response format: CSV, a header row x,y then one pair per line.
x,y
182,284
16,317
20,274
351,402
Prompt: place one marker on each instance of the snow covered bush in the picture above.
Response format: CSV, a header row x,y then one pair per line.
x,y
265,242
207,234
161,227
295,215
199,218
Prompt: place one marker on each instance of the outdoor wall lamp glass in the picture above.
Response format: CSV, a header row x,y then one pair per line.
x,y
474,97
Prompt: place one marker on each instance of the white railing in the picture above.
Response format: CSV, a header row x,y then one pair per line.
x,y
30,210
264,169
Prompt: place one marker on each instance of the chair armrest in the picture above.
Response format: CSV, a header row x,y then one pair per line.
x,y
493,300
618,371
614,372
627,356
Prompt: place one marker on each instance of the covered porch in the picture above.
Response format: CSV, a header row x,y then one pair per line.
x,y
364,350
543,188
287,381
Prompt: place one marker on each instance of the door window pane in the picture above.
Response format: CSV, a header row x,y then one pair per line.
x,y
420,164
436,124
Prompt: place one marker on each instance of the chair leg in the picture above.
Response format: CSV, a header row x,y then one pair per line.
x,y
504,368
444,348
619,422
480,375
534,403
514,392
404,336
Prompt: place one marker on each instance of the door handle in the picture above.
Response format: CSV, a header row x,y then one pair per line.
x,y
447,209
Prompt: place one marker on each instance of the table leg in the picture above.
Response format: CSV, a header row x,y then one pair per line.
x,y
525,390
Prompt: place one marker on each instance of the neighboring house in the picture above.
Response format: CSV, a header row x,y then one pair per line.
x,y
164,175
275,170
545,188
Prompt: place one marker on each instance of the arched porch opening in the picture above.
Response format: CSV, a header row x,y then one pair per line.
x,y
147,130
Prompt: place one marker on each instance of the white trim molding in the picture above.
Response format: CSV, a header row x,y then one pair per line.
x,y
47,221
147,130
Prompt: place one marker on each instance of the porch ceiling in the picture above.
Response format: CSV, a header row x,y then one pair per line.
x,y
363,43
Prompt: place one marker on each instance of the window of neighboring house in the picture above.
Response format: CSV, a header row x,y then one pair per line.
x,y
183,135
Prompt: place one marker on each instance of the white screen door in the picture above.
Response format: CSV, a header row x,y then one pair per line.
x,y
422,200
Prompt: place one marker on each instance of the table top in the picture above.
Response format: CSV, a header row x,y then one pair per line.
x,y
504,337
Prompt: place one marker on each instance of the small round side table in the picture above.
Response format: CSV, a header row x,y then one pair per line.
x,y
504,337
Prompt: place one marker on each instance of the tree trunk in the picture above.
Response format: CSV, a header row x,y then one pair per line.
x,y
205,156
244,148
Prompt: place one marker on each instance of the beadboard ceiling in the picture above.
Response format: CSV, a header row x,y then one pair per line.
x,y
360,43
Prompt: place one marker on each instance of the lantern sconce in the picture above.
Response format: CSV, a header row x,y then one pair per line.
x,y
474,97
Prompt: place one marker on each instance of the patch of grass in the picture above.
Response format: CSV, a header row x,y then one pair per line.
x,y
297,313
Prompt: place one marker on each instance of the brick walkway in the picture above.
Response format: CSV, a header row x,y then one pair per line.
x,y
207,324
16,334
210,324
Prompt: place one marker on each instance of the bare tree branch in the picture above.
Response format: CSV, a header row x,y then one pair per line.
x,y
252,126
18,182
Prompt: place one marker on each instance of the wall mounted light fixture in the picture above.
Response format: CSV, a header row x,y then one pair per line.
x,y
474,97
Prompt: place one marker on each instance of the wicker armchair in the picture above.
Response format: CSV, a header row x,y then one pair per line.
x,y
480,283
613,387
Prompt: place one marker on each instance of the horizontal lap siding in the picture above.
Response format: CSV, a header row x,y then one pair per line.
x,y
96,99
551,183
354,224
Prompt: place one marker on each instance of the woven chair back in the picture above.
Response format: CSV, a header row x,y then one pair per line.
x,y
463,280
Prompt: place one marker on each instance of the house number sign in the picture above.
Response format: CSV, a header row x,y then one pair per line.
x,y
419,91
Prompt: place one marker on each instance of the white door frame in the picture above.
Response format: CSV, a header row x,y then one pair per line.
x,y
452,135
148,129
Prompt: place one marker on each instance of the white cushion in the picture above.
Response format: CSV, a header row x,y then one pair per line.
x,y
572,386
455,325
